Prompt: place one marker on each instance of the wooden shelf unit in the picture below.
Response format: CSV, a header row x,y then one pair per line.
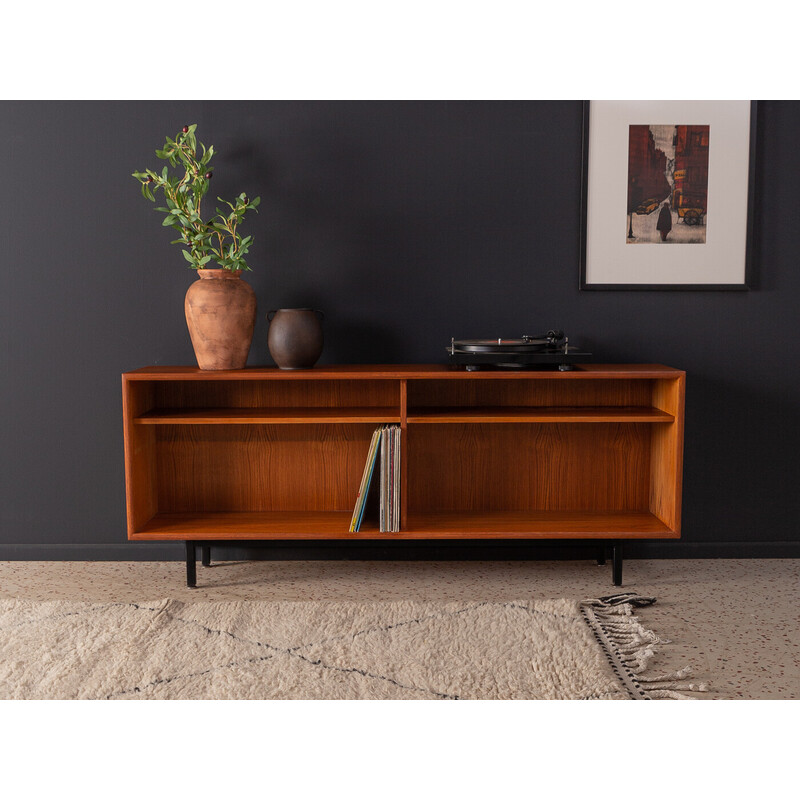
x,y
263,454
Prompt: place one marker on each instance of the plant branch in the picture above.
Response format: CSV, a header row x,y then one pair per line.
x,y
184,209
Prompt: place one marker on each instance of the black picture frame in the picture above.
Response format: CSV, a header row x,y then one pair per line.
x,y
749,254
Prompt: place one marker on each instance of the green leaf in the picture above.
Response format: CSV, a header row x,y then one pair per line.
x,y
187,256
168,220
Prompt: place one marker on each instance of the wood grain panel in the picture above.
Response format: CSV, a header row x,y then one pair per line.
x,y
141,477
291,525
339,372
260,467
666,476
521,467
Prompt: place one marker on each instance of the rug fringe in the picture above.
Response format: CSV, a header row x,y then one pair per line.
x,y
630,647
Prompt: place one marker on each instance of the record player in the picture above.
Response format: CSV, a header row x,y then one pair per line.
x,y
550,350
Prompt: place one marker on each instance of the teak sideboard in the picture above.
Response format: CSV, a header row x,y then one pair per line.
x,y
265,454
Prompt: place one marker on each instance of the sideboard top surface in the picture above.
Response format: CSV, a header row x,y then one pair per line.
x,y
402,372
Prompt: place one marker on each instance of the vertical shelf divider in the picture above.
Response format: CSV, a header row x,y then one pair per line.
x,y
403,454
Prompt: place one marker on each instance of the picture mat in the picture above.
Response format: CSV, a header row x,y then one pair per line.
x,y
721,260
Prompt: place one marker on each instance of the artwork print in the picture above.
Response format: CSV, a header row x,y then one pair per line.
x,y
667,184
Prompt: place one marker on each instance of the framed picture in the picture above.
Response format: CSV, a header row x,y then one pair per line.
x,y
668,194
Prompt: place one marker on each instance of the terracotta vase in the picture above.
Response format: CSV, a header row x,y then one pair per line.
x,y
221,315
295,337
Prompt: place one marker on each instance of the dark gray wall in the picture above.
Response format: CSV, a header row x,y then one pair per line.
x,y
407,223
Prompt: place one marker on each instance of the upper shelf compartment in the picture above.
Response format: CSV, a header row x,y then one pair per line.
x,y
267,416
267,402
532,400
459,414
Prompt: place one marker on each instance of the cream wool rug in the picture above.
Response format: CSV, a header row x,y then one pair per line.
x,y
533,649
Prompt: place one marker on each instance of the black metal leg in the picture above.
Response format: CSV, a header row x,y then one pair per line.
x,y
206,551
191,566
616,555
601,555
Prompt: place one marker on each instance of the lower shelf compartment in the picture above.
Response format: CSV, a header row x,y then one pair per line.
x,y
254,525
315,525
537,525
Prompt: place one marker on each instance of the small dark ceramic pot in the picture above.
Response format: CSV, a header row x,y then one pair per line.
x,y
295,337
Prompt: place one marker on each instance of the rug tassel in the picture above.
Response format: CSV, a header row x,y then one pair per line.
x,y
630,647
629,598
657,694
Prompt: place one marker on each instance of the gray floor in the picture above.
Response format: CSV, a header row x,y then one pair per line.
x,y
735,622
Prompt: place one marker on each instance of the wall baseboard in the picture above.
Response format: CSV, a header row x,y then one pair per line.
x,y
469,550
124,551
